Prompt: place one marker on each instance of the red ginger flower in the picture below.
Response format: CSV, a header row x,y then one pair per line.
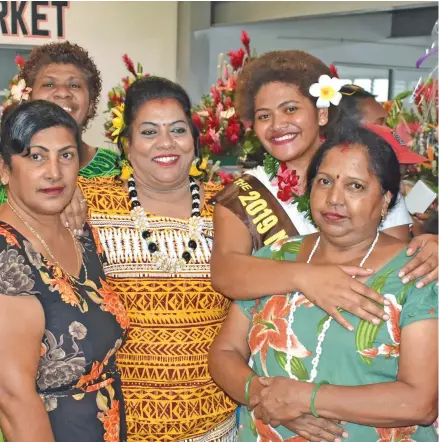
x,y
196,120
129,64
427,91
19,60
236,58
334,71
245,40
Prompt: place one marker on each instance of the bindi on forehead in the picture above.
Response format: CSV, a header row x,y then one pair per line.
x,y
345,147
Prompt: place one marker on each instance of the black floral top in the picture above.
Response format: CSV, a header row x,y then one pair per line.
x,y
85,326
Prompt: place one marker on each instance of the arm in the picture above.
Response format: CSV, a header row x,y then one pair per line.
x,y
425,263
410,400
228,365
23,417
238,275
229,355
399,232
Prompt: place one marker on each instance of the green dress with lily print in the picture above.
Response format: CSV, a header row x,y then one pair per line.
x,y
104,163
369,355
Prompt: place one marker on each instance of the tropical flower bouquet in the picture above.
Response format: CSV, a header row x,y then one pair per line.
x,y
114,124
414,116
222,131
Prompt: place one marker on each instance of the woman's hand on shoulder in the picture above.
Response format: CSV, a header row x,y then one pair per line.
x,y
425,264
332,288
74,215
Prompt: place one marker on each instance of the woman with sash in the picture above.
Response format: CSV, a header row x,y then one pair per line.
x,y
279,93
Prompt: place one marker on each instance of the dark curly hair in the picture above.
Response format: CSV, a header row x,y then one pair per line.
x,y
65,53
296,68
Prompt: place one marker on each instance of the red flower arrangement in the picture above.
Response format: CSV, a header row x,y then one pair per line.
x,y
222,132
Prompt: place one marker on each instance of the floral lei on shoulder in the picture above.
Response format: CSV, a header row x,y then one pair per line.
x,y
287,182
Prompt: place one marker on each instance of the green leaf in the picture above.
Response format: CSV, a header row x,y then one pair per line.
x,y
278,255
297,367
402,295
366,332
252,424
403,95
271,166
291,247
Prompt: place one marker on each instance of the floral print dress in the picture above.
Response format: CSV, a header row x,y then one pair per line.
x,y
85,325
369,355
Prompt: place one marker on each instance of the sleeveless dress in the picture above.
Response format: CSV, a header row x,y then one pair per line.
x,y
85,327
169,393
370,355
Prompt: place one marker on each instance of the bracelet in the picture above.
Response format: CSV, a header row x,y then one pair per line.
x,y
313,397
247,387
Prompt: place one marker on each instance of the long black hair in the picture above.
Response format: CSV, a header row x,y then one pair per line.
x,y
21,122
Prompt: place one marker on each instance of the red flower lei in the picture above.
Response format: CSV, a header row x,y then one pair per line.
x,y
287,182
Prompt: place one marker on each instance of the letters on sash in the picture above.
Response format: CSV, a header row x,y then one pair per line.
x,y
260,211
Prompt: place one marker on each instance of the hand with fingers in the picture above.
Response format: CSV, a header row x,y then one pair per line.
x,y
333,288
279,402
425,264
317,429
74,215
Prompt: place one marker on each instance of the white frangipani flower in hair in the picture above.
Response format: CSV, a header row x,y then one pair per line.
x,y
327,91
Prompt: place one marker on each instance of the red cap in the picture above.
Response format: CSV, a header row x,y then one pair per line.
x,y
403,153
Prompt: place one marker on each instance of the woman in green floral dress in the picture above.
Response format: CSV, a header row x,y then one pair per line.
x,y
64,74
381,378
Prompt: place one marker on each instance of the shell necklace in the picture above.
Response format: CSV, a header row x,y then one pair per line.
x,y
49,252
321,337
164,262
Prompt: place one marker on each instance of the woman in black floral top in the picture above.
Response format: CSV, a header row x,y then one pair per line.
x,y
60,323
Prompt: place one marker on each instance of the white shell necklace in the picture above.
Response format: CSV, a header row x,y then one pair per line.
x,y
322,334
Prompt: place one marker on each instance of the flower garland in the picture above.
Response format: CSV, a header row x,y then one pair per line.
x,y
18,89
287,182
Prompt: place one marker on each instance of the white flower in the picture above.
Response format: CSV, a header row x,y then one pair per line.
x,y
327,89
20,91
227,113
77,330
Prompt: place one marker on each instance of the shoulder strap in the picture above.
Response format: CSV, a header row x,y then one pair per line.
x,y
258,209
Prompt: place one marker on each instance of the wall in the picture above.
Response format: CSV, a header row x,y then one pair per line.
x,y
352,39
232,12
147,31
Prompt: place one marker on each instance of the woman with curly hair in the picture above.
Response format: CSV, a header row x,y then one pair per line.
x,y
65,74
273,91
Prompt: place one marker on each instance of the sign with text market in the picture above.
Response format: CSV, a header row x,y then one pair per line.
x,y
33,18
